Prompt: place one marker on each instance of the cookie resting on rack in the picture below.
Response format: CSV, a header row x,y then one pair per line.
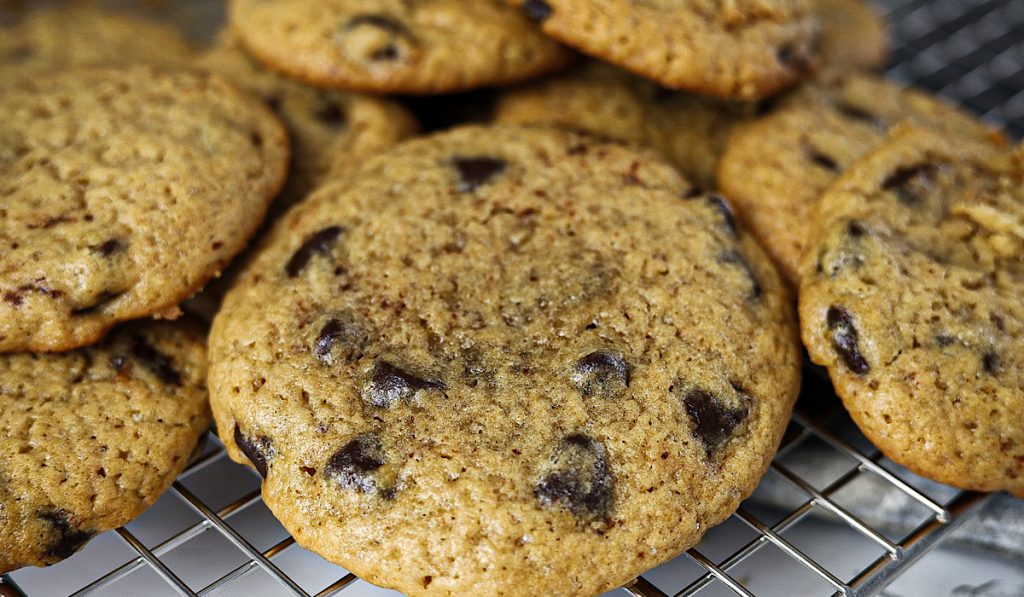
x,y
911,296
90,438
502,357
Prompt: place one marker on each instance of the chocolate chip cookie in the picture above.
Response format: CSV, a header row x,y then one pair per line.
x,y
90,438
55,38
124,191
331,131
429,46
745,49
776,167
501,357
688,129
911,296
853,34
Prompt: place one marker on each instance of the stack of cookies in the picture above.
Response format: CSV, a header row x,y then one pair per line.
x,y
549,348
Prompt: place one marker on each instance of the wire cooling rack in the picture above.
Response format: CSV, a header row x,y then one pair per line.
x,y
212,535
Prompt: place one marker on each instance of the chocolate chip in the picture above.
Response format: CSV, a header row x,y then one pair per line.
x,y
844,339
910,184
822,160
992,362
476,171
713,420
734,257
848,254
860,114
603,372
794,58
353,465
156,362
388,385
578,479
537,10
342,339
396,31
723,208
856,229
109,247
318,244
101,301
331,114
68,539
258,450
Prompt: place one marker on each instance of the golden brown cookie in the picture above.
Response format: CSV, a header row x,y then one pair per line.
x,y
502,357
911,296
124,191
853,34
90,438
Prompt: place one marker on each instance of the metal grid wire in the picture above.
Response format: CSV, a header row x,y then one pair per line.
x,y
969,50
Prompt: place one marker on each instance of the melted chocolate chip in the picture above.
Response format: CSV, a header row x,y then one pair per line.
x,y
68,539
388,385
477,171
258,450
340,339
844,339
735,258
318,244
331,114
910,184
713,421
992,362
109,247
822,160
851,111
602,372
537,10
578,479
156,362
353,465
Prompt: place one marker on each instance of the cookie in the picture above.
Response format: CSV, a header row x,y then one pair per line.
x,y
688,129
502,357
124,191
92,437
58,38
430,46
775,168
911,296
853,34
745,50
331,131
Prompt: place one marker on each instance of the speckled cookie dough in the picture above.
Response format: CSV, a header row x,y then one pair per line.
x,y
775,168
90,438
124,191
503,357
911,296
429,46
744,49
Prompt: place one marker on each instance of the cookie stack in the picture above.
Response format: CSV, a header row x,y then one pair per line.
x,y
541,350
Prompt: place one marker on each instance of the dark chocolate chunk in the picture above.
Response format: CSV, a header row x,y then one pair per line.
x,y
537,10
331,114
603,372
855,113
342,339
353,466
844,339
713,421
258,450
68,539
733,257
156,362
910,184
578,479
388,385
109,247
992,362
394,28
474,172
822,160
318,244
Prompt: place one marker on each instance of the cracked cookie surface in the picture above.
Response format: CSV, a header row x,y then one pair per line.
x,y
90,438
911,297
105,174
504,355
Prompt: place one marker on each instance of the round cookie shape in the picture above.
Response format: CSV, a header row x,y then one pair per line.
x,y
853,34
502,357
90,438
746,50
911,296
430,46
58,38
331,131
688,129
776,167
125,191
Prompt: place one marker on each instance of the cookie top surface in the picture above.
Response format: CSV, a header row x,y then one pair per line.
x,y
853,34
90,438
57,38
912,299
776,167
502,355
105,174
428,46
331,131
688,129
745,50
